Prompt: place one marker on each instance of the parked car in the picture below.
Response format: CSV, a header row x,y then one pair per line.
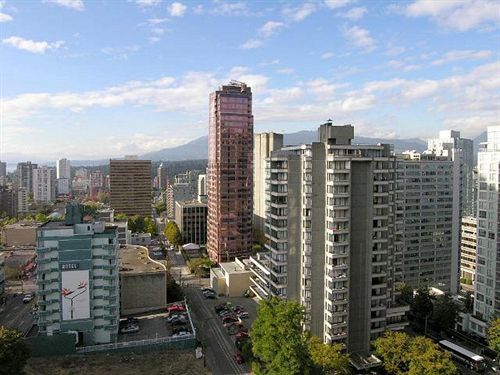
x,y
242,315
229,322
242,335
210,295
183,328
175,308
238,358
132,320
27,298
181,317
178,322
130,328
227,314
222,306
182,333
234,328
204,289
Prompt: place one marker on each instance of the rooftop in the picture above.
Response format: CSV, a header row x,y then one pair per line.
x,y
192,203
23,225
234,267
135,260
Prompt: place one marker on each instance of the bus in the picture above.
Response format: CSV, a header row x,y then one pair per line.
x,y
470,359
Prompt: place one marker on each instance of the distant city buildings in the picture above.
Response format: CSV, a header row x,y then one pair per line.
x,y
8,201
44,184
3,173
230,173
77,279
63,167
25,175
202,188
183,188
130,186
162,176
264,144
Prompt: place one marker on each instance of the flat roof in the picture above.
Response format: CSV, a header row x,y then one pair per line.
x,y
233,267
191,203
135,260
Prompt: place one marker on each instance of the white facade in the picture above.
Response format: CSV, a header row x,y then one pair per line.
x,y
63,168
487,283
63,186
44,184
468,252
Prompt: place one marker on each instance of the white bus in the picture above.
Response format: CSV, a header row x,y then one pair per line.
x,y
470,359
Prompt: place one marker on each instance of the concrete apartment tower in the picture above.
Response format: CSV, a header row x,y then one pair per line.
x,y
230,173
334,239
44,185
264,144
162,177
130,186
468,252
487,283
77,279
25,176
63,176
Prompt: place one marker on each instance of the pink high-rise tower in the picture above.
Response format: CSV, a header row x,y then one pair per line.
x,y
230,173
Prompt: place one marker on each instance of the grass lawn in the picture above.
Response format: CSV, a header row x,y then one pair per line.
x,y
156,362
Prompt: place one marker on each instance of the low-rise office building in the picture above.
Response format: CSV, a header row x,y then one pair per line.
x,y
191,218
77,279
143,281
143,239
231,279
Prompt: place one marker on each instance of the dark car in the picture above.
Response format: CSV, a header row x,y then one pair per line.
x,y
210,295
183,328
221,306
207,290
133,320
238,358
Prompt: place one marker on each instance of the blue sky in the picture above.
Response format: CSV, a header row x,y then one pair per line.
x,y
92,79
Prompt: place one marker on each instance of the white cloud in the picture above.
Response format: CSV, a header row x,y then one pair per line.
x,y
251,44
231,9
198,9
456,14
327,55
31,45
146,3
5,17
360,37
285,70
358,103
335,4
354,14
301,12
72,4
177,9
462,55
157,21
270,28
393,50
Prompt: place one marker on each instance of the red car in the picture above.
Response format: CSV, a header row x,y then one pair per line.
x,y
242,335
238,358
175,308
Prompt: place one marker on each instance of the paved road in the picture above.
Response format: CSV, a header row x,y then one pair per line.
x,y
15,314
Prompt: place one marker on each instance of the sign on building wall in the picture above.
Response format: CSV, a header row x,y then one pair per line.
x,y
75,295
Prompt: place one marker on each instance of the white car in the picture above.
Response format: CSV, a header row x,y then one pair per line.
x,y
131,328
27,298
182,333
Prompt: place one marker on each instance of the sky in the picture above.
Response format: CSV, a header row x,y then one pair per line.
x,y
91,79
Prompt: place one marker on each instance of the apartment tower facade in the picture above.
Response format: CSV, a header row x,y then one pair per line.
x,y
230,173
130,186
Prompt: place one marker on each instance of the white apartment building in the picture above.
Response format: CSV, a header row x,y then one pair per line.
x,y
468,252
63,168
487,283
334,242
44,185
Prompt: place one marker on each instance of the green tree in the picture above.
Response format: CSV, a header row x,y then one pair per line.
x,y
41,217
160,207
279,344
405,293
444,313
494,336
426,358
173,234
150,226
120,217
421,305
103,197
327,359
136,224
14,352
393,348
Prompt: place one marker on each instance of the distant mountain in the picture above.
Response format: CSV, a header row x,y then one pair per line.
x,y
198,148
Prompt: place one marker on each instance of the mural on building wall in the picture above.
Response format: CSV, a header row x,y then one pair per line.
x,y
75,295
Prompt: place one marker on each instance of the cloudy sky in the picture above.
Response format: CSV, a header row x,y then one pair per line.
x,y
101,78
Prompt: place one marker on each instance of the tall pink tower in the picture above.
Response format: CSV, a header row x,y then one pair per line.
x,y
230,172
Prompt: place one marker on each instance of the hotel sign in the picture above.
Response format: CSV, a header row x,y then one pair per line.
x,y
69,266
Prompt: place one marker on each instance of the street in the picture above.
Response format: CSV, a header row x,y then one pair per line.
x,y
16,314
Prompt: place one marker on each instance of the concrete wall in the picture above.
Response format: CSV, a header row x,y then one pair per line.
x,y
237,284
42,346
142,292
23,236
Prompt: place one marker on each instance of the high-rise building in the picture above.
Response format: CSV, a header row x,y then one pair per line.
x,y
459,150
22,200
3,173
191,218
430,208
230,172
184,188
202,188
264,144
162,177
77,279
334,238
130,186
44,185
25,175
63,168
8,201
468,252
487,283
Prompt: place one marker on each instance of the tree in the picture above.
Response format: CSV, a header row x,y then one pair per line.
x,y
494,336
173,234
468,302
160,207
405,293
41,217
393,348
327,359
150,226
403,354
425,358
103,197
136,224
14,352
421,305
279,344
444,313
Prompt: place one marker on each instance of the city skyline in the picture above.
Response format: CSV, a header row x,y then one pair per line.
x,y
141,84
